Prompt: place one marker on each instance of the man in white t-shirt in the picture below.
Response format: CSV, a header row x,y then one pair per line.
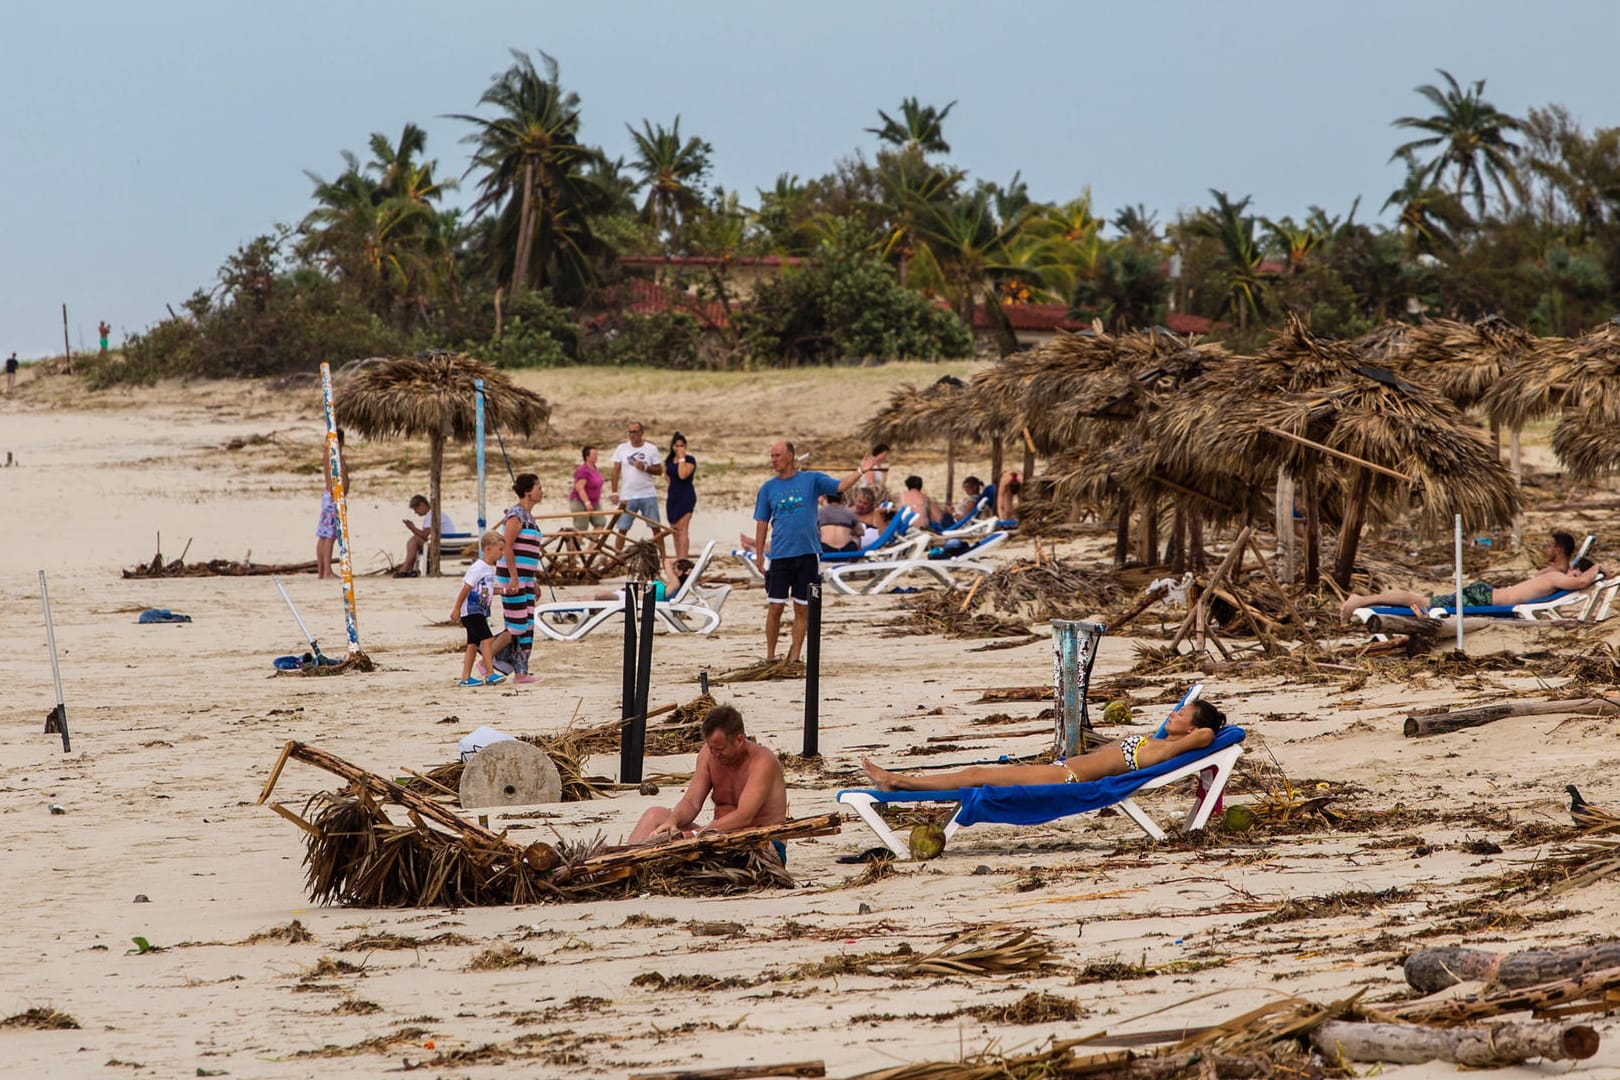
x,y
420,534
635,463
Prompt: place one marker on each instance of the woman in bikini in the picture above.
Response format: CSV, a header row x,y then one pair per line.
x,y
1191,727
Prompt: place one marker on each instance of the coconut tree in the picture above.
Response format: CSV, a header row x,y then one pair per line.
x,y
918,129
432,396
535,173
1471,136
1429,218
1233,230
672,173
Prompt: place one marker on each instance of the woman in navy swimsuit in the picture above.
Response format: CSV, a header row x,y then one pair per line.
x,y
680,467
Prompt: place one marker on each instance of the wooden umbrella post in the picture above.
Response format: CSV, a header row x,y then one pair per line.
x,y
478,443
1458,597
435,482
351,618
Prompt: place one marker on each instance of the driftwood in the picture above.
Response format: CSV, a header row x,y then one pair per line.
x,y
1597,991
618,861
216,568
740,1072
1488,1047
1428,970
1441,722
1062,1061
1197,614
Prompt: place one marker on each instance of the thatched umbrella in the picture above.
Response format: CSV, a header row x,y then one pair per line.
x,y
1385,345
431,396
1250,417
1587,438
940,410
1464,360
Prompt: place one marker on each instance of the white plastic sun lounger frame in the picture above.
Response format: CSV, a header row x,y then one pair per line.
x,y
904,544
1220,764
886,572
688,610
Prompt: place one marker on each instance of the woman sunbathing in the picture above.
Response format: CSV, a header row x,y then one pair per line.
x,y
1191,727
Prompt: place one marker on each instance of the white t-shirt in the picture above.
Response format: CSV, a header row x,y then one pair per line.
x,y
480,582
427,523
633,483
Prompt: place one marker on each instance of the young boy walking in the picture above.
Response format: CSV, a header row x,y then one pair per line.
x,y
472,607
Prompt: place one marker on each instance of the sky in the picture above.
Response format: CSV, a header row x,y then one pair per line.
x,y
141,143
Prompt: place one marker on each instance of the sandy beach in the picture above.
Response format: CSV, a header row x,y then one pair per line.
x,y
149,828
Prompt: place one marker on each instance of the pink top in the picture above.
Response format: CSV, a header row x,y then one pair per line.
x,y
593,484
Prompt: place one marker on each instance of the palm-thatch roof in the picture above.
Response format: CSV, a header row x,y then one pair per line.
x,y
1557,371
1587,438
1385,344
432,395
920,414
1464,360
1226,426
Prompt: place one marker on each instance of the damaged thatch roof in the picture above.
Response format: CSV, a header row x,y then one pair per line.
x,y
1463,360
431,396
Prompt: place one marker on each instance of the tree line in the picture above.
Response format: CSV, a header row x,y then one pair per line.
x,y
1497,214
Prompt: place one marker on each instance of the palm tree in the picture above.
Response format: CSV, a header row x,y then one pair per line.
x,y
1471,135
1229,227
671,172
1137,224
1292,240
535,175
1429,216
918,128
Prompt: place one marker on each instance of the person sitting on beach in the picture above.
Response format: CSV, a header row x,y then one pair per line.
x,y
968,506
840,529
1191,727
420,534
683,570
744,779
917,501
1009,492
1557,574
873,518
876,474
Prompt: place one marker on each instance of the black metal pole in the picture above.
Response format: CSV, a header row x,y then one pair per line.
x,y
638,721
812,671
629,754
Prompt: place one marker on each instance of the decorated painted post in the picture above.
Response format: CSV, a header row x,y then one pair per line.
x,y
812,671
1458,595
478,438
1074,650
334,461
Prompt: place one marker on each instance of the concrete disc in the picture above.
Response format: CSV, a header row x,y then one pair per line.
x,y
512,773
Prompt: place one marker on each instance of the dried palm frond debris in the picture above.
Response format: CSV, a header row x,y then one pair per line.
x,y
1595,852
1012,597
41,1019
157,568
357,854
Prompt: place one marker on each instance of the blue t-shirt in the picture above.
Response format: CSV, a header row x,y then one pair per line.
x,y
790,506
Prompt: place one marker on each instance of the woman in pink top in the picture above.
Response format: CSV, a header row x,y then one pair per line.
x,y
585,500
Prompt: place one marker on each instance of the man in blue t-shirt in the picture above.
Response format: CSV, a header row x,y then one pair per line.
x,y
786,507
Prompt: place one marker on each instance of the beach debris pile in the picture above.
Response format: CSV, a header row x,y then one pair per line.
x,y
1005,601
357,854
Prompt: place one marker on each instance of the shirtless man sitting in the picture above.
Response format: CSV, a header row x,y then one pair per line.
x,y
1557,574
840,529
917,501
744,778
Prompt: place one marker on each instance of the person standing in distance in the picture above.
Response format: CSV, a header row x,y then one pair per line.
x,y
786,508
11,372
635,463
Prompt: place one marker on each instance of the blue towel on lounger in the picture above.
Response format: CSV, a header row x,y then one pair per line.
x,y
1036,804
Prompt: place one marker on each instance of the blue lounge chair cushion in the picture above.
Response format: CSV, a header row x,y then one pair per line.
x,y
896,524
1495,611
1036,804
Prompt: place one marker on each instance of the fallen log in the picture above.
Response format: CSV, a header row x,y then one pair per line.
x,y
1428,970
1591,992
619,860
1406,624
740,1072
1479,1047
1441,722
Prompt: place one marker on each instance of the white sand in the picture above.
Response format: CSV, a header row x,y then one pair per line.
x,y
175,729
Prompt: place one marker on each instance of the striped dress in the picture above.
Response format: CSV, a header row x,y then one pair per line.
x,y
517,609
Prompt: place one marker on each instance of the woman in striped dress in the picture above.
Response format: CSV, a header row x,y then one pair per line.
x,y
516,574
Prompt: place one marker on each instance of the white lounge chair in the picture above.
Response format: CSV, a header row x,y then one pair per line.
x,y
691,609
1038,803
895,542
872,576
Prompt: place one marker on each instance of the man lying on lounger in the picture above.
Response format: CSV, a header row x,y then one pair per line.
x,y
744,778
1556,575
1191,727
